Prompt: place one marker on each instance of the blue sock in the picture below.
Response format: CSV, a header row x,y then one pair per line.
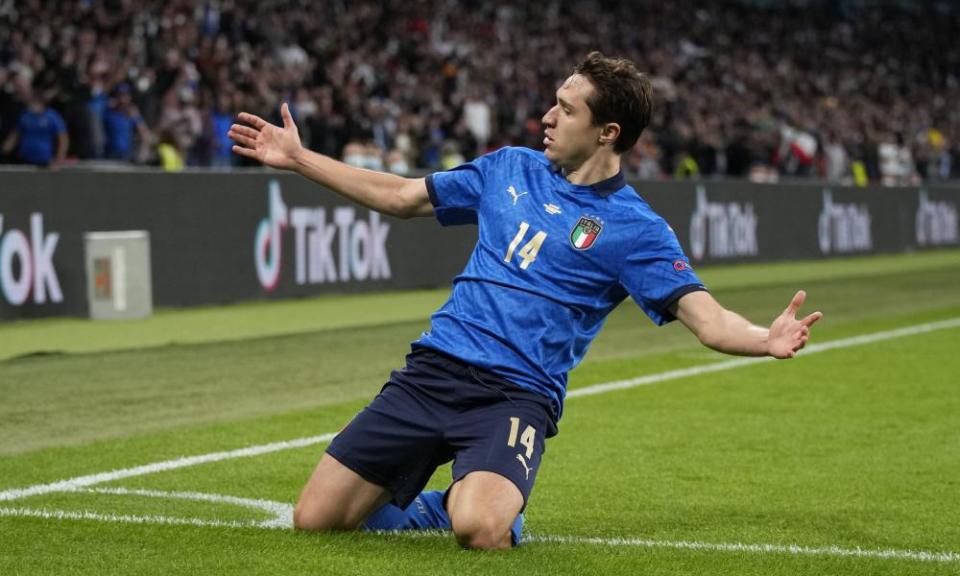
x,y
426,512
516,530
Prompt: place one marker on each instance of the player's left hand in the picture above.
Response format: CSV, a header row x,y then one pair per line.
x,y
787,334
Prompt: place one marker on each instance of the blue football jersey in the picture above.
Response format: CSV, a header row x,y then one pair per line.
x,y
552,260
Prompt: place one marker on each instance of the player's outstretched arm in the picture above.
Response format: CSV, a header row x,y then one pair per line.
x,y
280,147
726,331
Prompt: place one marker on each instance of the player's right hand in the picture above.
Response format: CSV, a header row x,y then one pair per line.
x,y
260,140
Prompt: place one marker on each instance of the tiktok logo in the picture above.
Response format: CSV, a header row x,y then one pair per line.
x,y
843,228
722,229
26,264
937,222
268,244
329,244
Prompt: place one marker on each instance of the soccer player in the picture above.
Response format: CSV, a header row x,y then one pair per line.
x,y
562,241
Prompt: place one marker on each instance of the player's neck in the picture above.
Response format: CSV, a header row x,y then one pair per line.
x,y
597,168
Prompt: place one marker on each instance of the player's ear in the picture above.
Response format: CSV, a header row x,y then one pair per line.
x,y
609,133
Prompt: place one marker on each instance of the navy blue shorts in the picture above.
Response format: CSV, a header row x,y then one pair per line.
x,y
439,409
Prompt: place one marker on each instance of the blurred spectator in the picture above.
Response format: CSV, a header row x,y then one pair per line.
x,y
181,120
686,167
835,159
797,151
397,162
355,154
97,100
374,156
478,120
643,160
450,156
40,135
121,122
169,152
219,119
896,162
744,88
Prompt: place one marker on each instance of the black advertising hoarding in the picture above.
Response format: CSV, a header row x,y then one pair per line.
x,y
225,237
742,222
213,238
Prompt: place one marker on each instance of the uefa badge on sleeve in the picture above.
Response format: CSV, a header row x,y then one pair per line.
x,y
585,233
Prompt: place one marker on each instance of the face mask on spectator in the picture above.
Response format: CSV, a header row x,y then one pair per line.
x,y
373,162
306,108
358,160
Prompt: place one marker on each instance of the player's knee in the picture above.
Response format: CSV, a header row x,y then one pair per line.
x,y
317,519
305,519
482,532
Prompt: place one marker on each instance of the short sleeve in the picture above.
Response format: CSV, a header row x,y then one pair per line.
x,y
59,125
455,194
656,273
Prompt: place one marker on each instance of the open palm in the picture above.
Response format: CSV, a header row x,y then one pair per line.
x,y
787,334
260,140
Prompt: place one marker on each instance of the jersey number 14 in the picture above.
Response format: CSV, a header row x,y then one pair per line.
x,y
528,253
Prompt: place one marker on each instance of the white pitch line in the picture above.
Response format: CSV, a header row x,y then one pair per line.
x,y
888,554
103,477
184,462
794,549
282,513
738,362
131,519
790,549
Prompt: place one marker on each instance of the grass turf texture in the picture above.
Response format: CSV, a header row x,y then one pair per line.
x,y
852,447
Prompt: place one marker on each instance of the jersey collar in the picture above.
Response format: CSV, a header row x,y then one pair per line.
x,y
603,188
610,185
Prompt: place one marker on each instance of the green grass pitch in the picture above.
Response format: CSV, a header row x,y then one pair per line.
x,y
842,461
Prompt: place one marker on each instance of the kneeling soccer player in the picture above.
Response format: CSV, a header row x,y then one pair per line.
x,y
562,241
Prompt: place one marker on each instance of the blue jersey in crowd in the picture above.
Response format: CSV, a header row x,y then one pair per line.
x,y
552,260
119,127
222,144
38,136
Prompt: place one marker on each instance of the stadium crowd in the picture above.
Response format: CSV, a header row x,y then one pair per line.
x,y
846,91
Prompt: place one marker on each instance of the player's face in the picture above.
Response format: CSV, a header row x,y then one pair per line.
x,y
570,137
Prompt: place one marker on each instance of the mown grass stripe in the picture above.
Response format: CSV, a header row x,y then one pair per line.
x,y
103,477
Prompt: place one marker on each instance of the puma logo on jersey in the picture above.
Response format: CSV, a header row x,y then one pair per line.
x,y
523,462
516,195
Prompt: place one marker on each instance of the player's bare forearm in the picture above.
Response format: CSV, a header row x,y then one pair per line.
x,y
10,142
721,329
734,334
728,332
280,147
380,191
63,144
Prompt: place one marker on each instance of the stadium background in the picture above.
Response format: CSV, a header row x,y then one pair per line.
x,y
801,144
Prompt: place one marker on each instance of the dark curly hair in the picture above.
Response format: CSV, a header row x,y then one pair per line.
x,y
621,94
